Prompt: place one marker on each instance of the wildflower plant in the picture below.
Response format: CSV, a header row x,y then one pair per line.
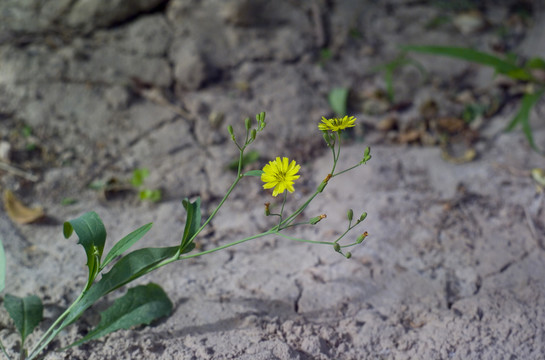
x,y
144,303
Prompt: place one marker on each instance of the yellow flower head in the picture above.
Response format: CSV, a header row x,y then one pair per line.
x,y
280,174
336,124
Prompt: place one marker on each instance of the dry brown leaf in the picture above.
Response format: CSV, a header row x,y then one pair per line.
x,y
19,212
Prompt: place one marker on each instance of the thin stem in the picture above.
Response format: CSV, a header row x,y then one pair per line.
x,y
282,208
229,191
305,240
4,350
346,170
51,333
269,232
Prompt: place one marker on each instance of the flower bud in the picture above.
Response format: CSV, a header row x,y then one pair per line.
x,y
248,123
316,220
350,214
348,255
366,155
336,247
231,132
362,217
253,134
267,209
362,237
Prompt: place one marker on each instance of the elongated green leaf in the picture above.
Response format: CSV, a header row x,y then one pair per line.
x,y
192,222
128,268
253,173
475,56
122,245
26,313
140,305
92,236
2,266
535,63
523,116
338,99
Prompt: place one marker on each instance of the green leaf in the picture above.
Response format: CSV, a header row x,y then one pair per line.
x,y
253,173
92,236
140,305
127,269
151,195
523,116
501,66
138,176
2,266
338,98
192,222
122,245
26,313
535,63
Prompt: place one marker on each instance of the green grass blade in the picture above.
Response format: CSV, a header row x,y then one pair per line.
x,y
501,66
523,117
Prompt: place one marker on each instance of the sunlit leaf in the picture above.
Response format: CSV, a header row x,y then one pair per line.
x,y
140,305
138,177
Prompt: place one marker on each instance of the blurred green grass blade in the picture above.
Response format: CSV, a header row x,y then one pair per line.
x,y
523,117
2,266
501,66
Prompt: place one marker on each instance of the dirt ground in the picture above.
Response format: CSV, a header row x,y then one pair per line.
x,y
454,264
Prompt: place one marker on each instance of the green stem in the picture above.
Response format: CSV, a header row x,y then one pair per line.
x,y
269,232
4,350
304,240
52,332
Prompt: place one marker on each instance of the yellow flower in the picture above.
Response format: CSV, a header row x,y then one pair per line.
x,y
280,174
336,124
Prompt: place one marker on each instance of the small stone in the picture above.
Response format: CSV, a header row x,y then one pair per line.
x,y
469,23
5,150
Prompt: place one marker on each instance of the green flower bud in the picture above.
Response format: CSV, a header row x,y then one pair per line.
x,y
362,237
337,247
362,217
248,123
267,209
350,214
316,220
366,155
253,134
231,131
348,255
